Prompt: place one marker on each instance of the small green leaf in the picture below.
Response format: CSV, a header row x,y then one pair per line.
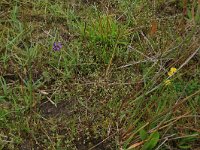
x,y
2,98
143,134
152,142
184,146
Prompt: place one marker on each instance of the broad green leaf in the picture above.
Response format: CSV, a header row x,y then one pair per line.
x,y
152,142
143,134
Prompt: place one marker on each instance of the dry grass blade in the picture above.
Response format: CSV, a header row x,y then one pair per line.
x,y
136,145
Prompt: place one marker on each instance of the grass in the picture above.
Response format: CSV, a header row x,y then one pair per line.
x,y
105,88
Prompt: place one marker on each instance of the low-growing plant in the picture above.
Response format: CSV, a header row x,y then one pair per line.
x,y
104,34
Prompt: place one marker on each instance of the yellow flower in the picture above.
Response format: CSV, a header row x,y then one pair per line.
x,y
172,71
167,82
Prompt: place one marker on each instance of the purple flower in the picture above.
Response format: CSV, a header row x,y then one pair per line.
x,y
57,46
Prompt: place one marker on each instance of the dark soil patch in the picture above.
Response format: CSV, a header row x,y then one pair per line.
x,y
91,1
169,8
48,109
27,145
94,143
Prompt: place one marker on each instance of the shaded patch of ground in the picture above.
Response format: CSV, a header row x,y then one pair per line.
x,y
48,109
92,1
85,143
169,8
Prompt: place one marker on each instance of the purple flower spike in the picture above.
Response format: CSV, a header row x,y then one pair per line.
x,y
57,46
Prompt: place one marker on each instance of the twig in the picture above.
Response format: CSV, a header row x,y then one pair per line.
x,y
103,140
186,136
165,140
